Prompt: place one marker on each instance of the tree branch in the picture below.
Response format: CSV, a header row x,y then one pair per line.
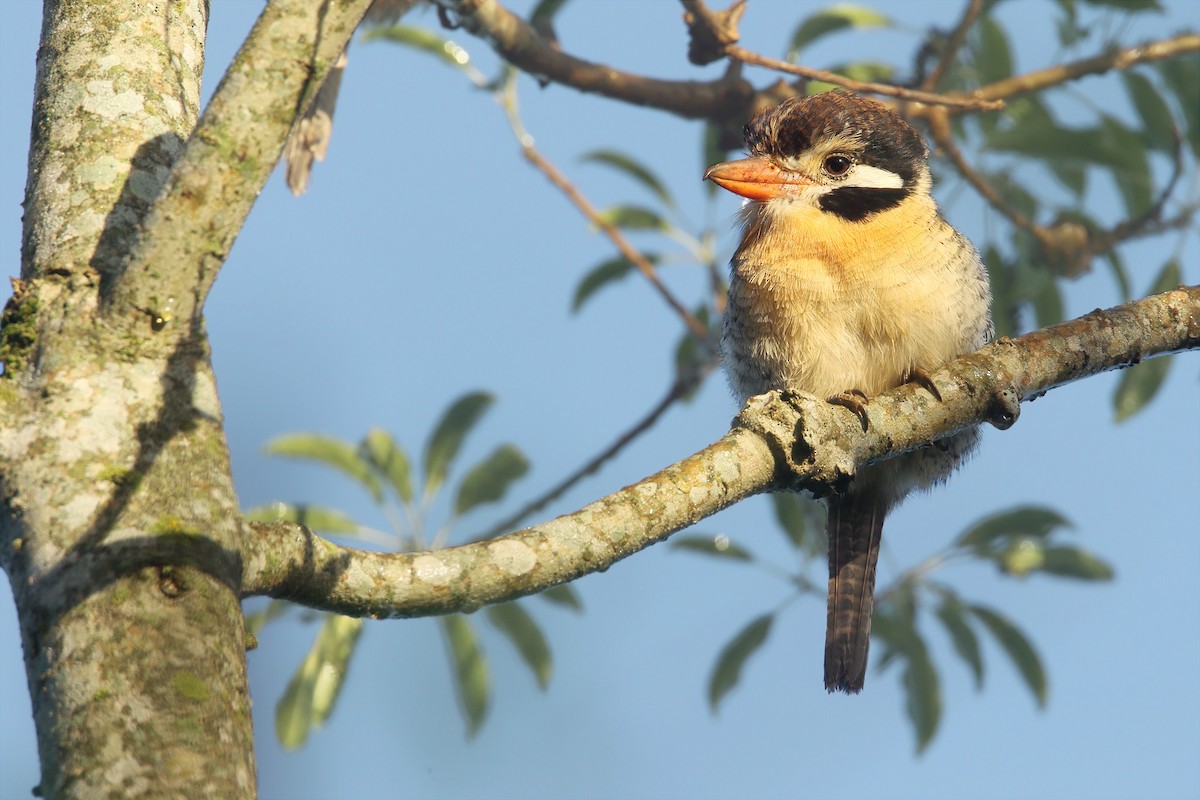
x,y
956,100
780,441
953,44
1074,70
520,44
682,386
229,157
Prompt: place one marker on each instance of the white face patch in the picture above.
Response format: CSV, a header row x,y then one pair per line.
x,y
868,177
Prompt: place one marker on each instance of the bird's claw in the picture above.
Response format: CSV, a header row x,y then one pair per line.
x,y
855,400
922,378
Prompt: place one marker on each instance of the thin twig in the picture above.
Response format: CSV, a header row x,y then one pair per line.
x,y
682,386
1143,224
956,100
631,253
939,128
953,44
1062,73
507,98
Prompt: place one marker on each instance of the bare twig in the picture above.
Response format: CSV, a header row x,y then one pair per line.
x,y
631,253
1062,73
957,100
634,256
1146,223
959,35
943,136
682,386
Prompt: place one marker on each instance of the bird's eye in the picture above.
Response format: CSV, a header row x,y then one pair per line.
x,y
837,166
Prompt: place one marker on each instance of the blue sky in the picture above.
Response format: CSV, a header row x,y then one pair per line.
x,y
428,260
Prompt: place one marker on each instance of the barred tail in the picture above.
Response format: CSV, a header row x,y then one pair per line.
x,y
854,528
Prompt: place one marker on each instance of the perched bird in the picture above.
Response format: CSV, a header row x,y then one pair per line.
x,y
848,282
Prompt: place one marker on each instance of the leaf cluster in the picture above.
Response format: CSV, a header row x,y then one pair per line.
x,y
1018,542
382,468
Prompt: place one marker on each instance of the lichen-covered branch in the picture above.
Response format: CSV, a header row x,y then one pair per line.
x,y
230,155
779,441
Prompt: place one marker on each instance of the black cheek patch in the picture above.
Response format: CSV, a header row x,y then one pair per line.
x,y
856,203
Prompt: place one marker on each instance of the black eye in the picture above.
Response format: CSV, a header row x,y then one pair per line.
x,y
837,166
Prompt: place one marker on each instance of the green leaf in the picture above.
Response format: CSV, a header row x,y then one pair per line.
x,y
1131,165
867,71
1138,386
488,480
954,619
562,595
1004,291
472,682
387,456
633,218
728,669
448,436
1158,124
689,353
610,271
923,699
520,629
314,688
711,545
426,42
829,20
319,518
1039,286
1120,274
1021,557
1018,648
1071,174
993,55
1140,383
1075,562
895,625
328,450
802,519
1036,522
634,169
1014,193
258,620
1182,74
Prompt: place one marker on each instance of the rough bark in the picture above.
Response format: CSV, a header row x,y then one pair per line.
x,y
119,525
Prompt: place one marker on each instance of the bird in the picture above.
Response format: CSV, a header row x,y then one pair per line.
x,y
848,281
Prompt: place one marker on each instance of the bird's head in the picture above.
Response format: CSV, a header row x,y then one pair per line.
x,y
834,152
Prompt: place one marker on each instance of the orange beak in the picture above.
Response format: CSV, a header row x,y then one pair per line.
x,y
756,178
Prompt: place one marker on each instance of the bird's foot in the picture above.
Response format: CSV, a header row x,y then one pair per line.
x,y
856,401
922,378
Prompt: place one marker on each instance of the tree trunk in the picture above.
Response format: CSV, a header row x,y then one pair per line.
x,y
119,524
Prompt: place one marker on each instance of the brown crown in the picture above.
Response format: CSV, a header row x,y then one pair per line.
x,y
798,123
